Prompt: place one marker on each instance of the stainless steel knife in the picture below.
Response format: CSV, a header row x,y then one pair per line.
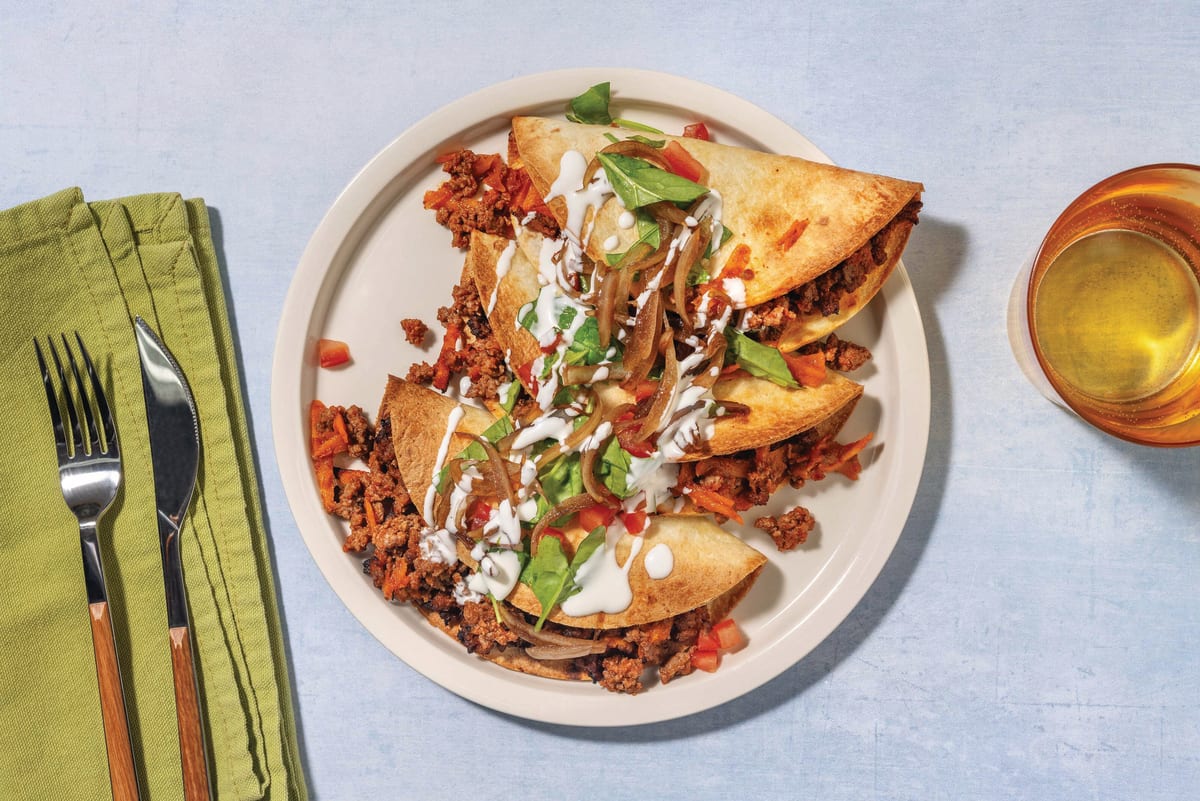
x,y
175,454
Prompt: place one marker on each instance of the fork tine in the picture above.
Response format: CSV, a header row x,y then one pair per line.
x,y
91,430
76,442
60,434
106,418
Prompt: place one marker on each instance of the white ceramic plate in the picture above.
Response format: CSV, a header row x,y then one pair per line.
x,y
378,257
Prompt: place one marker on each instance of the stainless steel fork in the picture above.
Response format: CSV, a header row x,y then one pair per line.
x,y
89,469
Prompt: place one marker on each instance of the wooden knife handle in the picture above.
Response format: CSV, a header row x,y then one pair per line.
x,y
187,710
112,706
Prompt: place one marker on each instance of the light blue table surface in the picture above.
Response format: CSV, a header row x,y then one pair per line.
x,y
1036,631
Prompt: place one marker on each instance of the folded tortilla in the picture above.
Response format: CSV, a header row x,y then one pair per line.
x,y
711,566
775,412
791,219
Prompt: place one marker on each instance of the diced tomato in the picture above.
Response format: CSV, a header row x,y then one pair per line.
x,y
332,352
478,513
808,369
707,641
683,163
707,661
525,373
596,515
697,130
642,450
728,635
635,522
644,390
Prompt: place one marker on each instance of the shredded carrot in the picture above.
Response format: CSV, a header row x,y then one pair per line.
x,y
808,370
315,410
372,520
794,232
437,198
339,427
714,502
325,481
847,462
441,370
395,579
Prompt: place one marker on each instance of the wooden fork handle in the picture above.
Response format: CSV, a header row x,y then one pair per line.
x,y
121,772
187,709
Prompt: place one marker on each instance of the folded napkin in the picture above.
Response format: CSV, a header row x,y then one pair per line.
x,y
66,266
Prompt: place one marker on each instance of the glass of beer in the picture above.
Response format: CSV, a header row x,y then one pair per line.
x,y
1105,319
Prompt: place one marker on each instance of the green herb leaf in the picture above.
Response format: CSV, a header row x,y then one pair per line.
x,y
591,107
725,235
639,183
586,348
547,574
613,468
493,434
562,478
587,546
510,398
648,232
528,316
636,126
757,359
657,144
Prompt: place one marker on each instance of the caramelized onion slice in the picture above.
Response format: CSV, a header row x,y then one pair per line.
x,y
554,644
497,469
568,507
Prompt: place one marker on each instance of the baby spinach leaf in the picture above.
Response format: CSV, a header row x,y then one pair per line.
x,y
493,433
613,468
591,107
637,126
657,144
757,359
639,183
547,574
561,479
584,551
648,232
586,348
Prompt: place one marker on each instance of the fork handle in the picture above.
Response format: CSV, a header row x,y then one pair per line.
x,y
187,710
121,772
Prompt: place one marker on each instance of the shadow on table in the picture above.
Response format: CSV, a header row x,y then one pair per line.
x,y
934,258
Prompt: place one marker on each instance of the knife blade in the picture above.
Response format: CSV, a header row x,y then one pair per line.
x,y
175,457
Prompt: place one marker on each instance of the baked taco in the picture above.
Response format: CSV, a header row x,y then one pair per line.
x,y
504,274
621,591
810,243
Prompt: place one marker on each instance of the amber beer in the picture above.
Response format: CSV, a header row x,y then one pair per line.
x,y
1112,305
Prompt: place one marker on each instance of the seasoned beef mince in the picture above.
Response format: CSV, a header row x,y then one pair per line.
x,y
390,538
823,294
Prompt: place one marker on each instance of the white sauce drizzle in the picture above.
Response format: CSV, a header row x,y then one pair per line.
x,y
604,583
659,561
456,414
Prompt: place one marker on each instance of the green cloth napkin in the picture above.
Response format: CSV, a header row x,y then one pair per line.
x,y
66,266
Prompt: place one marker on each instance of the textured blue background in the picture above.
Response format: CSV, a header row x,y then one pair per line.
x,y
1035,633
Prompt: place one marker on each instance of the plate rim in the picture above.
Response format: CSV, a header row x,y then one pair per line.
x,y
339,232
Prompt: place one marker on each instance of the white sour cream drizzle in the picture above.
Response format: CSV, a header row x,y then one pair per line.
x,y
659,561
502,267
604,583
452,420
